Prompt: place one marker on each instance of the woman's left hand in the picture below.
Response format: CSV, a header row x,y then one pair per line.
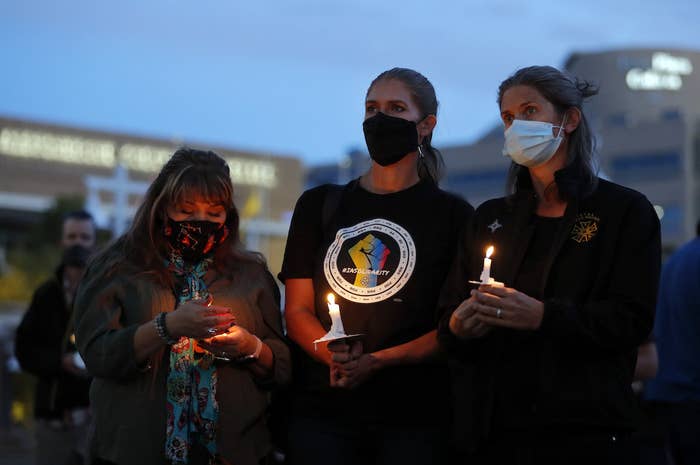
x,y
235,343
508,308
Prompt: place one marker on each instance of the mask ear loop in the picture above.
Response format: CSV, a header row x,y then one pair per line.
x,y
420,146
561,128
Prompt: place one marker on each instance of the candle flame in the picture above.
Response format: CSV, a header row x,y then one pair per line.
x,y
489,251
331,299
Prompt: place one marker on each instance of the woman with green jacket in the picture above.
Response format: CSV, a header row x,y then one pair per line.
x,y
181,328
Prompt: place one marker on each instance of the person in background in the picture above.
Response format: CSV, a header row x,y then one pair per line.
x,y
181,328
43,348
675,391
543,364
382,245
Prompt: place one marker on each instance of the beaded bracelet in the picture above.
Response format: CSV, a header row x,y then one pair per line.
x,y
162,329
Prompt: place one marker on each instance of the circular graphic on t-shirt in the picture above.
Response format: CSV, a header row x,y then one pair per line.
x,y
371,261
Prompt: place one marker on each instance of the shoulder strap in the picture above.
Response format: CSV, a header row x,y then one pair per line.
x,y
332,203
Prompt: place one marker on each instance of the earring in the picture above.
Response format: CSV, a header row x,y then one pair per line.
x,y
420,151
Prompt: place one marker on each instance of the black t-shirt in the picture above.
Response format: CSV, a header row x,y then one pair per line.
x,y
384,257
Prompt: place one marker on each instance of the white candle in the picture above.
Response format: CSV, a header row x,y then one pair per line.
x,y
486,271
334,312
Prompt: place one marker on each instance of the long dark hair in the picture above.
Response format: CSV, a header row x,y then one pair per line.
x,y
564,92
431,165
189,173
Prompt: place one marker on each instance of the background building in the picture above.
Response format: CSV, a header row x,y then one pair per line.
x,y
350,166
39,162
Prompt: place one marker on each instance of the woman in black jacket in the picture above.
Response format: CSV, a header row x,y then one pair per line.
x,y
542,365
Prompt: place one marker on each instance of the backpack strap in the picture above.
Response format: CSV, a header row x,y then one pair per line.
x,y
332,203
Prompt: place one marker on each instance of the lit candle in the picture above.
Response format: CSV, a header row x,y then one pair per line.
x,y
336,321
486,271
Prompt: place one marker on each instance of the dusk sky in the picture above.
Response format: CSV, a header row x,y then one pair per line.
x,y
289,77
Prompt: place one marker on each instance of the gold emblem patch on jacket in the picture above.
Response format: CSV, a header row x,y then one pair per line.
x,y
585,227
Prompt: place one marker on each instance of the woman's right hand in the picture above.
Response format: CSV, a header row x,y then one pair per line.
x,y
351,367
465,322
197,320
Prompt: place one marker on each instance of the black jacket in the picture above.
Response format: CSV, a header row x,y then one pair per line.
x,y
40,343
599,287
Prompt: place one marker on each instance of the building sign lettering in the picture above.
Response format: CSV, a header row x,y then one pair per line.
x,y
105,153
665,73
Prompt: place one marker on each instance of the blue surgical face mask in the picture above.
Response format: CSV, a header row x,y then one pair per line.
x,y
532,143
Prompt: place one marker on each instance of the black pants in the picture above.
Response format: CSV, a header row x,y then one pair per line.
x,y
194,461
333,441
681,425
557,448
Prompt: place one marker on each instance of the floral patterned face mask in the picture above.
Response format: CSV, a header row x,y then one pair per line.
x,y
194,239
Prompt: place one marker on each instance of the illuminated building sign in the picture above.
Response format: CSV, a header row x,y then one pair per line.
x,y
665,73
147,158
104,153
56,147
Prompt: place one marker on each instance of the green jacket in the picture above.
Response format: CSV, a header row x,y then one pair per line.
x,y
128,401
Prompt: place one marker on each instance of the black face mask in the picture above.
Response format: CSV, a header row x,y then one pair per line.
x,y
194,239
389,139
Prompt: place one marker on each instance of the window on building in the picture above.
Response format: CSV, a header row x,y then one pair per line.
x,y
646,167
617,120
671,115
471,184
696,151
672,222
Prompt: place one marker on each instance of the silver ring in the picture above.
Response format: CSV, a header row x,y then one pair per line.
x,y
498,313
211,331
224,354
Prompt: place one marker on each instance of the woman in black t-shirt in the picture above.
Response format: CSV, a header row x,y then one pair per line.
x,y
542,366
382,245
